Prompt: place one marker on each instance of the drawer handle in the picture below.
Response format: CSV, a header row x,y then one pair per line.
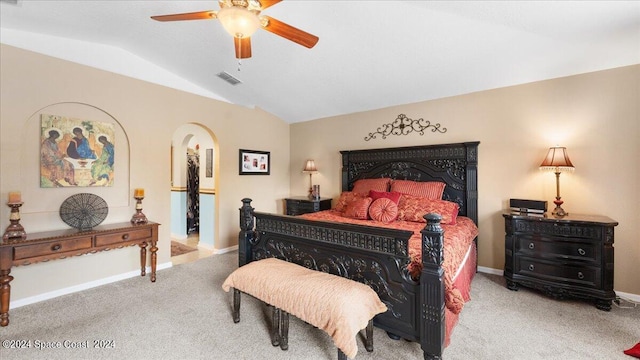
x,y
531,246
125,237
531,267
580,275
56,247
581,252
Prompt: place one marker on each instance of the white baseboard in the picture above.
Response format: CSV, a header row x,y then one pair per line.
x,y
91,284
489,270
622,295
179,237
628,296
225,250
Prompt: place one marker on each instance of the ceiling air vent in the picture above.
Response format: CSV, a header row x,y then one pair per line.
x,y
229,78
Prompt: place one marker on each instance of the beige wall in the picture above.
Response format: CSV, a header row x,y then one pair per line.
x,y
149,115
594,115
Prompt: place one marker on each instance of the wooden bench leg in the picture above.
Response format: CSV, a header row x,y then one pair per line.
x,y
368,344
275,325
284,330
341,355
236,305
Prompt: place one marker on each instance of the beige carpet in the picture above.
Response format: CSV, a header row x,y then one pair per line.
x,y
186,315
180,248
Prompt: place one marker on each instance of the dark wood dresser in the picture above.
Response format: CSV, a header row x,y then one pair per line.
x,y
60,244
562,257
301,205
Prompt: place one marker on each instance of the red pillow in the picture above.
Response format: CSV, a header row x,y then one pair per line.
x,y
358,208
345,198
383,209
428,189
634,351
393,196
363,186
413,208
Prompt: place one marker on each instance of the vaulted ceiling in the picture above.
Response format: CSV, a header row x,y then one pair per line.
x,y
371,54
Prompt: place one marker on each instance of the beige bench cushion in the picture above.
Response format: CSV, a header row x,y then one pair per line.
x,y
339,306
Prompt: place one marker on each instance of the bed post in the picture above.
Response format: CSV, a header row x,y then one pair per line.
x,y
432,322
247,233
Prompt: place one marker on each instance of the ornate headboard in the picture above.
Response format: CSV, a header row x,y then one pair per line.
x,y
454,164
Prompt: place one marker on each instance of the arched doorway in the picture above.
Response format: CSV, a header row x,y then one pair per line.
x,y
194,174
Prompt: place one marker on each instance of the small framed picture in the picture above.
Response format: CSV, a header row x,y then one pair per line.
x,y
254,162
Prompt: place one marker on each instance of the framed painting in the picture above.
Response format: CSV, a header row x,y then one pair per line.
x,y
254,162
76,152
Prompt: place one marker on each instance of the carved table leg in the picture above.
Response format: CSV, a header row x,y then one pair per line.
x,y
604,305
154,259
5,294
341,355
512,285
275,325
236,305
284,330
143,258
368,344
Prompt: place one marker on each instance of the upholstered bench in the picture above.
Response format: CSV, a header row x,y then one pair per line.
x,y
339,306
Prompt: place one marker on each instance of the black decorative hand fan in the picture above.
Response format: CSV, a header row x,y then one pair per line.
x,y
84,211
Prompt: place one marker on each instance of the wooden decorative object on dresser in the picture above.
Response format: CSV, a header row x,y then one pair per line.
x,y
563,257
301,205
60,244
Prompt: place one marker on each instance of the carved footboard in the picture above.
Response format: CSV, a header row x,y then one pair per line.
x,y
377,257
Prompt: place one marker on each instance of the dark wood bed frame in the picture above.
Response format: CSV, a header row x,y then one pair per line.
x,y
376,256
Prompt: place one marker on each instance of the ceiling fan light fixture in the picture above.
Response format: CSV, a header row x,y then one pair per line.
x,y
238,21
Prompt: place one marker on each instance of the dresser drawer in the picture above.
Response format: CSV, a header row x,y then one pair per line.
x,y
53,247
559,229
535,246
123,236
584,276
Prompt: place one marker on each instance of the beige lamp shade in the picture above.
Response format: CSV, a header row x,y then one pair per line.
x,y
557,159
310,166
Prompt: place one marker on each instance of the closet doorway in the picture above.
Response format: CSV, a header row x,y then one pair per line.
x,y
194,169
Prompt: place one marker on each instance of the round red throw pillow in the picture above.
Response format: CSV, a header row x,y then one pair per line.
x,y
383,209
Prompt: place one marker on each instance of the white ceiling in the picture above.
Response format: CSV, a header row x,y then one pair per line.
x,y
371,54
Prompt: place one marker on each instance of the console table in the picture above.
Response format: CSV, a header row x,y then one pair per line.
x,y
50,245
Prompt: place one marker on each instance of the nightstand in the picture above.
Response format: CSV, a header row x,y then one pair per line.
x,y
301,205
562,257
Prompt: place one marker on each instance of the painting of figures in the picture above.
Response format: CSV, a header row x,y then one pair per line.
x,y
75,152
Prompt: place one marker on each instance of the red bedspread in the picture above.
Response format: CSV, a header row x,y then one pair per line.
x,y
457,239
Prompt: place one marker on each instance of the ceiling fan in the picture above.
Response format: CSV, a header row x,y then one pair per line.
x,y
241,18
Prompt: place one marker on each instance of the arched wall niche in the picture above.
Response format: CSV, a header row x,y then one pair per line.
x,y
41,205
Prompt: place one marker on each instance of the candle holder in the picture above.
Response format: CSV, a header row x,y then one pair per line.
x,y
139,217
14,230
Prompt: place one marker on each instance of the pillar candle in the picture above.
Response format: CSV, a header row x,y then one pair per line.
x,y
15,197
138,193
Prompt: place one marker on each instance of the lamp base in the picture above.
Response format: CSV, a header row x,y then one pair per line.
x,y
559,211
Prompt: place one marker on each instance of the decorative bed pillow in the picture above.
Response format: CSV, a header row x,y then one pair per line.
x,y
428,189
363,186
393,196
383,209
413,208
345,198
358,208
634,351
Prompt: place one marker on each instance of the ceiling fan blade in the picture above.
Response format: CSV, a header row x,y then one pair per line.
x,y
289,32
243,47
268,3
200,15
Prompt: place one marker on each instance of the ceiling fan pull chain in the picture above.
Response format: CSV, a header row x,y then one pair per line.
x,y
239,63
